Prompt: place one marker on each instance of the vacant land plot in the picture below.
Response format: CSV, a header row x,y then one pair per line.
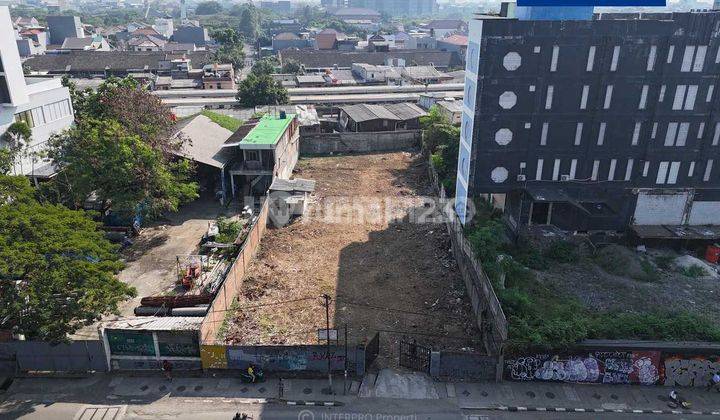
x,y
393,276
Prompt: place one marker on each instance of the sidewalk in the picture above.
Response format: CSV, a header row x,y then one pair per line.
x,y
581,397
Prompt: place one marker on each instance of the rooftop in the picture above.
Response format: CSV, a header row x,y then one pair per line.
x,y
152,323
456,39
330,59
397,112
206,140
263,133
98,61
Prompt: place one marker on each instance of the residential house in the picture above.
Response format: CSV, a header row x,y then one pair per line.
x,y
89,43
321,60
440,28
32,42
454,43
22,23
356,13
218,76
370,73
41,102
451,110
310,80
180,48
606,124
421,75
264,149
146,43
327,39
164,26
371,117
190,33
61,27
285,40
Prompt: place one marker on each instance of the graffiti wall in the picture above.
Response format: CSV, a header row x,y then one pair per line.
x,y
689,371
615,367
312,358
609,367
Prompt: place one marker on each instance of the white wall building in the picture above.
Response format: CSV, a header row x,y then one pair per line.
x,y
42,102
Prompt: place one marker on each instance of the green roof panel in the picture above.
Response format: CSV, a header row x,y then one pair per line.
x,y
267,132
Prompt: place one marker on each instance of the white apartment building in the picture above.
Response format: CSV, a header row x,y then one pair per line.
x,y
42,102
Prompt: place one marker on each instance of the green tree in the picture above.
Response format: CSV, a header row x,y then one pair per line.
x,y
265,66
261,90
57,270
232,54
208,8
249,22
226,36
17,137
121,168
291,66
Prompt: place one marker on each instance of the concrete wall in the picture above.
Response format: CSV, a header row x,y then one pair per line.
x,y
457,365
230,288
321,144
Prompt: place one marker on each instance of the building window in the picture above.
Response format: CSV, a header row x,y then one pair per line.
x,y
646,168
556,170
717,56
676,134
554,60
615,58
549,97
636,133
26,117
643,97
654,130
685,97
590,59
512,61
687,58
661,97
57,110
538,170
573,168
611,172
716,135
709,95
671,50
578,133
595,170
601,134
608,96
584,97
252,155
628,169
673,174
708,170
662,173
651,58
543,134
701,130
691,169
4,91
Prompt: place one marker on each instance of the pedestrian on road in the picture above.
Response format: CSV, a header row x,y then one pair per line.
x,y
167,369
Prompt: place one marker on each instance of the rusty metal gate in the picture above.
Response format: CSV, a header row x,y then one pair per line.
x,y
415,356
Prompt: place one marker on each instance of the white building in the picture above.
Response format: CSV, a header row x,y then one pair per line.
x,y
42,102
164,26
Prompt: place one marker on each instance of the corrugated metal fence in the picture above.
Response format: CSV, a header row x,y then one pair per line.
x,y
76,356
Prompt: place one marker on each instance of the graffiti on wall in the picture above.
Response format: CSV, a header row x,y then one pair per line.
x,y
689,371
615,367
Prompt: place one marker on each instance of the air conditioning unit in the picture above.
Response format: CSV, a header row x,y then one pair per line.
x,y
564,177
521,178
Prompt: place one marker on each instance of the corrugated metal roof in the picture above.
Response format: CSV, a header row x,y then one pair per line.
x,y
368,112
405,111
152,323
298,184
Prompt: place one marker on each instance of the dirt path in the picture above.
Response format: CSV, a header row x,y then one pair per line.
x,y
396,277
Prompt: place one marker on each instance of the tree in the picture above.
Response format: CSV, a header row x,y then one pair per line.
x,y
122,169
17,137
208,8
227,36
261,90
291,66
232,54
57,270
249,22
266,66
123,150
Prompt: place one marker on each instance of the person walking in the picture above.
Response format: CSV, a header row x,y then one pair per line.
x,y
167,369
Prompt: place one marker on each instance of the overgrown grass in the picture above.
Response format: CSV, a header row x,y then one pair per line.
x,y
694,271
224,121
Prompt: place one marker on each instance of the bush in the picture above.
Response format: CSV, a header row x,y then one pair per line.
x,y
530,257
664,262
228,230
563,252
694,271
650,273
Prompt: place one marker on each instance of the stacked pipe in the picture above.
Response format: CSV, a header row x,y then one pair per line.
x,y
198,310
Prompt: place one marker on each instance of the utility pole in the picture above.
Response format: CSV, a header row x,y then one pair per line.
x,y
327,332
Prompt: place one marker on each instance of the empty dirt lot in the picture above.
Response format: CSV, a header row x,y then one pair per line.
x,y
392,276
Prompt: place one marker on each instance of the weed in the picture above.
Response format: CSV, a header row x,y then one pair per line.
x,y
562,252
694,271
665,261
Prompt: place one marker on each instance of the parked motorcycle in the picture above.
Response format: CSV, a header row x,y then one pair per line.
x,y
248,379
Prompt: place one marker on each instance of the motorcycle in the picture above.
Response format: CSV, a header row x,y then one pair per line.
x,y
247,379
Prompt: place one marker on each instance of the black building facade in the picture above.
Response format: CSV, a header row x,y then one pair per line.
x,y
594,125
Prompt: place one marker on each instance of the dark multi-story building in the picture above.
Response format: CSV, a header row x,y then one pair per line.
x,y
62,27
594,125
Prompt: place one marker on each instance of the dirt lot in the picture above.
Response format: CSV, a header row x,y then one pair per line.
x,y
396,277
150,261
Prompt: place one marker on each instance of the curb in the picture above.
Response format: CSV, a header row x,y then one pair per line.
x,y
596,410
315,403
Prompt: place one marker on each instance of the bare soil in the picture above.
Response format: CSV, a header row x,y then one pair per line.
x,y
395,277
